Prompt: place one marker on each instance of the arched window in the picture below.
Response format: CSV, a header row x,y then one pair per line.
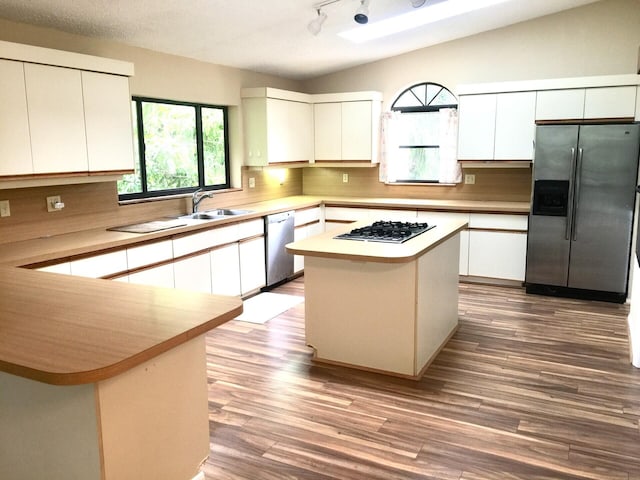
x,y
419,132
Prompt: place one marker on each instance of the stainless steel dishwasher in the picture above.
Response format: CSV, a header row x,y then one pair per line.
x,y
279,231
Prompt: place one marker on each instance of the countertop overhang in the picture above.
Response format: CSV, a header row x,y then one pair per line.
x,y
325,245
65,330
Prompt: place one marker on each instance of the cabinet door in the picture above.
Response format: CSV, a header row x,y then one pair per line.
x,y
252,265
15,142
560,104
610,102
327,124
356,130
289,131
515,126
56,119
225,270
161,276
497,254
476,127
107,108
193,273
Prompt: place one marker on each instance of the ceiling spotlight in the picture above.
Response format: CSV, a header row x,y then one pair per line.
x,y
362,14
417,3
315,25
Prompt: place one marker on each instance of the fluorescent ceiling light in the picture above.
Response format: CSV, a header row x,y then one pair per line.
x,y
416,18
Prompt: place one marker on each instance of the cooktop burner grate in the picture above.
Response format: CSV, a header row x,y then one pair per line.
x,y
386,232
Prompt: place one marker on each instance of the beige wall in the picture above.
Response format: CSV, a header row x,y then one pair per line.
x,y
597,39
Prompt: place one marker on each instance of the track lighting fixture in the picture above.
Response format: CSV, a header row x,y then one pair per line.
x,y
417,3
362,14
315,25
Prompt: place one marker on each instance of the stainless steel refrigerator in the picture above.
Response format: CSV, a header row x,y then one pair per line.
x,y
581,219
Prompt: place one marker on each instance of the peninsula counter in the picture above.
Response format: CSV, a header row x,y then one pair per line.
x,y
103,380
382,307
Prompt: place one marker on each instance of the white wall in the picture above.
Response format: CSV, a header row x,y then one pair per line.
x,y
598,39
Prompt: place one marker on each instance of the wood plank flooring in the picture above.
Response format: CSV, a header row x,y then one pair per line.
x,y
530,387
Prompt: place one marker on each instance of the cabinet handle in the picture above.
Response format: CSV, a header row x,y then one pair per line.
x,y
569,218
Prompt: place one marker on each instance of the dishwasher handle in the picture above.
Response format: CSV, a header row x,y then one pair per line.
x,y
279,217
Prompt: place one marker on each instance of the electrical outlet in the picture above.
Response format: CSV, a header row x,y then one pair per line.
x,y
252,182
345,178
54,204
469,179
5,211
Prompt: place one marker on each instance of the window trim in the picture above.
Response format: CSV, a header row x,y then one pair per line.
x,y
146,194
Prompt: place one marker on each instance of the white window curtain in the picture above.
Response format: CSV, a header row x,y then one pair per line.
x,y
450,171
391,153
389,146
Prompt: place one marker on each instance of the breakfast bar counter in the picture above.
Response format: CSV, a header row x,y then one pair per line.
x,y
103,380
382,307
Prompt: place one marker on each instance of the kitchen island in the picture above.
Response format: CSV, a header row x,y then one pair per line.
x,y
103,380
382,307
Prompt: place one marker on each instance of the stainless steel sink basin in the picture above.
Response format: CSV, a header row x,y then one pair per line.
x,y
228,212
215,214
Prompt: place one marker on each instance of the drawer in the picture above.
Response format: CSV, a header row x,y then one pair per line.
x,y
100,265
149,254
345,213
307,215
192,243
251,228
491,221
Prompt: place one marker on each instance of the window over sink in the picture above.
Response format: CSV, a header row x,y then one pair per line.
x,y
179,147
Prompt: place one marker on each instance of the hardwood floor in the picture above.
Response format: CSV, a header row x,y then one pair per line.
x,y
530,387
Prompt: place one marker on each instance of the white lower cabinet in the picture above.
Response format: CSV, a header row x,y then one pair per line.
x,y
252,265
100,265
193,273
160,276
225,270
497,254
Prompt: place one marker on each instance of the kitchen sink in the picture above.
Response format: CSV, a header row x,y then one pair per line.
x,y
215,214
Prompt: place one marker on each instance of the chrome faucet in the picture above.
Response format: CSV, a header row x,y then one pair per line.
x,y
196,199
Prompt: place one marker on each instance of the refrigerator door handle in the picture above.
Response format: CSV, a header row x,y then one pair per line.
x,y
569,218
576,197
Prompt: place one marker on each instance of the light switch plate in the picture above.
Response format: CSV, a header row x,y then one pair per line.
x,y
252,182
345,178
5,210
469,179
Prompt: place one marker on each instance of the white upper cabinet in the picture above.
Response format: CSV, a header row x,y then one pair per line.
x,y
560,104
476,126
56,119
278,127
515,126
587,103
15,142
610,102
357,132
496,126
327,129
346,126
107,114
60,119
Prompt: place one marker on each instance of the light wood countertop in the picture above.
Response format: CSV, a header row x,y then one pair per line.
x,y
325,245
66,330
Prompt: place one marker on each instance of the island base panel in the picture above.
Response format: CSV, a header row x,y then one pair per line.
x,y
383,317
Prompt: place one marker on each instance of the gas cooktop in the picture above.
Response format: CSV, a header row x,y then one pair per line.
x,y
386,232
